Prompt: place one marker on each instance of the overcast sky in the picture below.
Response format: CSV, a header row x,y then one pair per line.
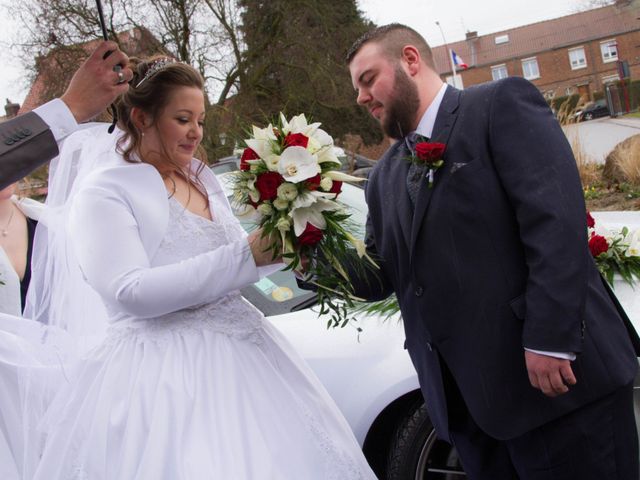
x,y
455,16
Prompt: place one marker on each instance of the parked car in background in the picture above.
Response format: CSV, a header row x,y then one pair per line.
x,y
368,374
592,110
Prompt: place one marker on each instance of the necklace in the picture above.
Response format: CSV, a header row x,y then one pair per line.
x,y
5,230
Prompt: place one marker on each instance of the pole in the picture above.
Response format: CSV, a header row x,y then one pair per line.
x,y
101,20
451,64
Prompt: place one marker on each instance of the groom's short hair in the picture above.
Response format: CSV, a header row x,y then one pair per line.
x,y
393,38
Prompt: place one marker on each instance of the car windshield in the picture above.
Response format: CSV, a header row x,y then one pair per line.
x,y
279,293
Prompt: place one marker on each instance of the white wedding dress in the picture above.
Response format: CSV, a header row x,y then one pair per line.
x,y
206,391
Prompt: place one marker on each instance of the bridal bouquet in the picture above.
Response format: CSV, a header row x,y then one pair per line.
x,y
290,174
615,251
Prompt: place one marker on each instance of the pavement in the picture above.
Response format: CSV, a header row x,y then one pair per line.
x,y
598,137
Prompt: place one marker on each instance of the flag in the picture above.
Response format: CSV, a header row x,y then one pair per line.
x,y
457,61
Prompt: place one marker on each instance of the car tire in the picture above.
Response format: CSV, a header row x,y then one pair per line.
x,y
417,453
588,116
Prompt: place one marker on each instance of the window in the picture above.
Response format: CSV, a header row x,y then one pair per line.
x,y
499,71
530,69
501,39
577,58
609,50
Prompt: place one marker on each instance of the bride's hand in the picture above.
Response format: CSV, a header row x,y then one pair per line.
x,y
261,248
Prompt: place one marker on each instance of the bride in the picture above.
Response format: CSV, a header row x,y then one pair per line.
x,y
188,380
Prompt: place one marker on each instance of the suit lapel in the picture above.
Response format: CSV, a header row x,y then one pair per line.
x,y
442,128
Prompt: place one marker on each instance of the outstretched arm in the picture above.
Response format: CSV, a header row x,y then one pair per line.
x,y
30,140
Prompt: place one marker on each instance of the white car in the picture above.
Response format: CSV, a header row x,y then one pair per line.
x,y
368,374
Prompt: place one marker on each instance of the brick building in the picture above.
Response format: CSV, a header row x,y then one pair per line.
x,y
576,53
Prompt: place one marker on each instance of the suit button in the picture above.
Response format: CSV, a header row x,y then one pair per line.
x,y
419,291
26,132
16,138
9,141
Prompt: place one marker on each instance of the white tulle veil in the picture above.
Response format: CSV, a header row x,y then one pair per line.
x,y
58,294
64,317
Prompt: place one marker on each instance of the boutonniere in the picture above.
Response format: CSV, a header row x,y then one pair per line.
x,y
429,154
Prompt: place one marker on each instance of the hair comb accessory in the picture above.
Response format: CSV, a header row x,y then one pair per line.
x,y
155,68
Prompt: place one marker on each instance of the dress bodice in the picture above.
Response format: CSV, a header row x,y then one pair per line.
x,y
188,235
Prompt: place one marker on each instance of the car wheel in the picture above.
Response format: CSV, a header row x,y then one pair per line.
x,y
588,116
417,453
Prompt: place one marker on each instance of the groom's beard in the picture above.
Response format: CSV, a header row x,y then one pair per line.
x,y
402,110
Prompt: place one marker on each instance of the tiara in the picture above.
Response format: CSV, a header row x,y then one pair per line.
x,y
155,68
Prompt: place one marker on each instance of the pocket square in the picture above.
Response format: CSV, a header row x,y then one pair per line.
x,y
458,166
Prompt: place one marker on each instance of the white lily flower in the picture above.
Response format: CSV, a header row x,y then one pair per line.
x,y
319,140
326,183
342,177
264,133
328,155
633,240
297,164
261,146
285,124
308,209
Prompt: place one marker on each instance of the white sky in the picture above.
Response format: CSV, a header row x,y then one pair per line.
x,y
455,17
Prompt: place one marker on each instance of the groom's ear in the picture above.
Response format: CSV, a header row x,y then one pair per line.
x,y
411,58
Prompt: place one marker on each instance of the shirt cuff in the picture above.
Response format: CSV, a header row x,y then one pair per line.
x,y
561,355
57,115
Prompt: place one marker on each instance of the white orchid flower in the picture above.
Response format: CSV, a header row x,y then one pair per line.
x,y
308,209
297,164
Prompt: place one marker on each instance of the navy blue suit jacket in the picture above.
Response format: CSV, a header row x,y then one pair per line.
x,y
494,259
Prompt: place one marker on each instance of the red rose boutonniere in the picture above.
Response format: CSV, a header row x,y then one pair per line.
x,y
429,154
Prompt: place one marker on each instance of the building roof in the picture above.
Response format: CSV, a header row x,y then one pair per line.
x,y
528,40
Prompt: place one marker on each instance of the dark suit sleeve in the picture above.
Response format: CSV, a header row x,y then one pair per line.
x,y
372,284
539,174
26,142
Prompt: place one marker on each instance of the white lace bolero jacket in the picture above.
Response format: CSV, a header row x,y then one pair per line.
x,y
118,219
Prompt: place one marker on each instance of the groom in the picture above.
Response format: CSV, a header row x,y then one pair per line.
x,y
523,355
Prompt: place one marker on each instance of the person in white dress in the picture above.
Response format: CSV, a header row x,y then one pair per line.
x,y
190,380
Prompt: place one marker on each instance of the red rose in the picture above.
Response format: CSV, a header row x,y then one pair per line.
x,y
310,236
247,154
267,184
430,151
336,187
598,244
590,221
296,140
313,183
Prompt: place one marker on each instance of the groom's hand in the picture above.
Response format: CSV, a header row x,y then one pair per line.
x,y
549,374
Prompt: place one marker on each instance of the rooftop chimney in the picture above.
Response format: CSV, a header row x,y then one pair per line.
x,y
472,35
